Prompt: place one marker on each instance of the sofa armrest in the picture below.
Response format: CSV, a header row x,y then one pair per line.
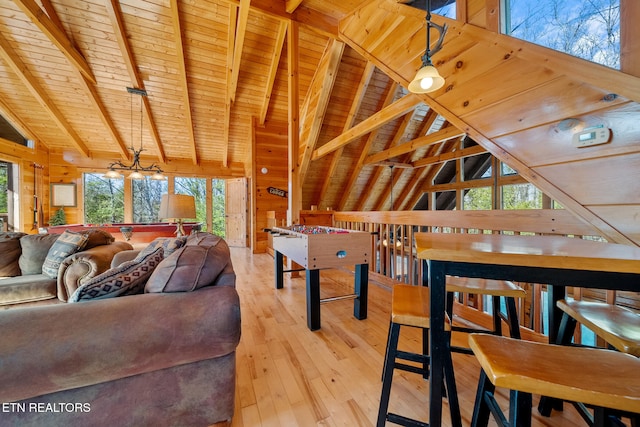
x,y
123,256
82,266
68,346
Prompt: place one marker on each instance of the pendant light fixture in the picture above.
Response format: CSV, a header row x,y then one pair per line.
x,y
427,78
137,170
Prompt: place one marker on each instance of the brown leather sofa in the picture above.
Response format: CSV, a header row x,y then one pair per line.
x,y
22,255
165,357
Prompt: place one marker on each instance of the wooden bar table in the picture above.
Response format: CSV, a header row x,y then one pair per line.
x,y
553,260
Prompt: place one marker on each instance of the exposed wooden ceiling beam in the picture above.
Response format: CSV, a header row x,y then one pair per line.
x,y
273,70
388,99
22,71
115,15
57,37
395,165
319,95
407,147
351,117
16,122
379,119
177,31
241,29
92,93
231,42
292,5
399,135
452,155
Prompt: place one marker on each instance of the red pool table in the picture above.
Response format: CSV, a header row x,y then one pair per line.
x,y
141,233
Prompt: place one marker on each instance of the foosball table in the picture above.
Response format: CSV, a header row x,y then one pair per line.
x,y
315,248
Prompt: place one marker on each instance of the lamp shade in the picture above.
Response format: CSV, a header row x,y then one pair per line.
x,y
177,206
427,80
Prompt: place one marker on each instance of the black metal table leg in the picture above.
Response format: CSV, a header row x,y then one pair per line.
x,y
437,287
279,269
313,299
362,291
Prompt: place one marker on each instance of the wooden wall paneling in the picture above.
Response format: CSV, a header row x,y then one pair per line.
x,y
552,143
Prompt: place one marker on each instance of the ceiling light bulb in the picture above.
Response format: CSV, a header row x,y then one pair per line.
x,y
136,175
426,83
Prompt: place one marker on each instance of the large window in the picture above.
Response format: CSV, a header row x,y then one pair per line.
x,y
588,29
146,199
4,187
521,196
103,199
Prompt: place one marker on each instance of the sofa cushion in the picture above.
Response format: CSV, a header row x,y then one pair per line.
x,y
126,279
67,244
10,250
168,244
97,237
35,248
23,289
191,267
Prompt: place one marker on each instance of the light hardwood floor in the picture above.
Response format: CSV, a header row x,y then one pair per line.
x,y
290,376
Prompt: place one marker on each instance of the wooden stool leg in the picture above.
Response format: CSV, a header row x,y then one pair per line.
x,y
451,390
481,411
497,318
387,375
520,409
565,335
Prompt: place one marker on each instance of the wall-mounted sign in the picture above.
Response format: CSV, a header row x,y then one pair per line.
x,y
277,192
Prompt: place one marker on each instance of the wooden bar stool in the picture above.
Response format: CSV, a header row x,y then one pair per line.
x,y
608,380
618,326
497,289
410,307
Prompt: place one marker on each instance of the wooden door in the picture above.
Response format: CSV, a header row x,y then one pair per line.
x,y
236,212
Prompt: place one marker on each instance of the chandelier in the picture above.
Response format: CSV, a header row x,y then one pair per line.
x,y
136,169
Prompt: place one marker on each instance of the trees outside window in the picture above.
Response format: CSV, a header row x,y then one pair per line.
x,y
477,199
103,199
219,207
4,187
521,196
196,187
146,199
588,29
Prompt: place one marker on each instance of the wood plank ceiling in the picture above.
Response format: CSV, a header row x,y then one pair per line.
x,y
213,68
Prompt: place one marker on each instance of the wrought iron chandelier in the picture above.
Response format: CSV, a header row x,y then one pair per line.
x,y
137,170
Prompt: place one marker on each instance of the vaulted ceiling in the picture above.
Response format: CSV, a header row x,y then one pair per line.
x,y
215,70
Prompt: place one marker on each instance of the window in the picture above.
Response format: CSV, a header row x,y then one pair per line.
x,y
521,196
219,207
103,199
146,199
587,29
477,199
4,188
196,187
448,9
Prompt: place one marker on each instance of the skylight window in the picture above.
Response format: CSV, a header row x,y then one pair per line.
x,y
588,29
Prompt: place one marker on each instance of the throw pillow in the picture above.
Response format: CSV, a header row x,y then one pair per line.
x,y
10,250
97,237
168,244
68,243
126,279
35,248
189,268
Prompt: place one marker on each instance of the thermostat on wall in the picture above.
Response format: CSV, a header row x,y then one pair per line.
x,y
591,136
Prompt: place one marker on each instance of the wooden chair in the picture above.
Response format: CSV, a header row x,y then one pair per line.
x,y
497,289
608,380
618,326
410,307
